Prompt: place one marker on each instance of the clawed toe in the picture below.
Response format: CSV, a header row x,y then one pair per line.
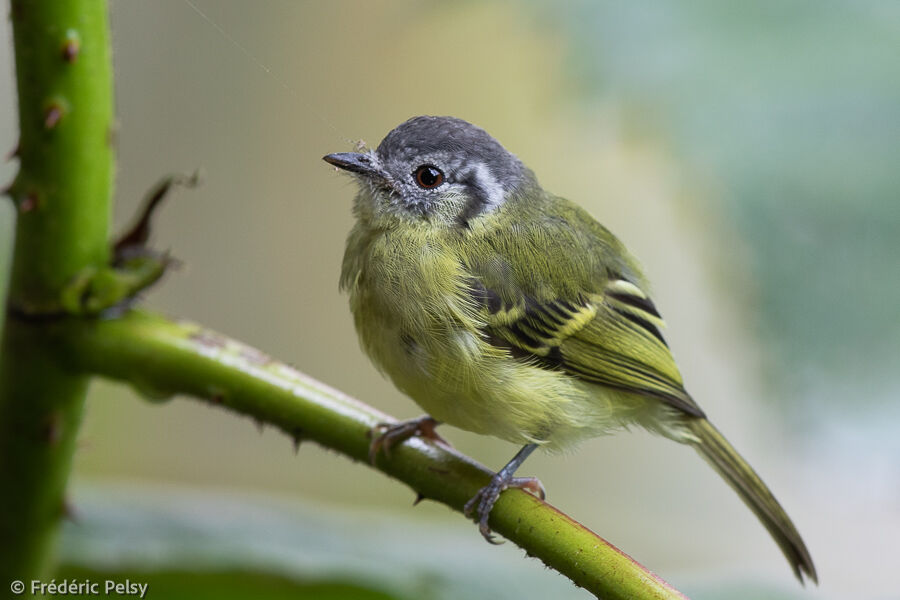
x,y
487,534
480,505
530,484
386,435
381,438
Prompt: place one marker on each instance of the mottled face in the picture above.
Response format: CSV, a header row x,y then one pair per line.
x,y
435,168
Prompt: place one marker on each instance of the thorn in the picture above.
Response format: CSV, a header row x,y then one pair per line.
x,y
52,429
297,437
52,115
70,51
68,512
71,47
29,202
419,497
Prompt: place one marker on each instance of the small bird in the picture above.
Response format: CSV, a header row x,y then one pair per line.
x,y
503,309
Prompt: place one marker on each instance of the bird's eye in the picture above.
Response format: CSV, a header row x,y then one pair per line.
x,y
428,177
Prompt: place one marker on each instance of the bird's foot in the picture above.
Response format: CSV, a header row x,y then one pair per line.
x,y
479,507
386,435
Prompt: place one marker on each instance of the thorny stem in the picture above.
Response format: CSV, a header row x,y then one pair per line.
x,y
62,195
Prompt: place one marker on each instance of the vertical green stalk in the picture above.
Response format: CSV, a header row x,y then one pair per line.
x,y
62,195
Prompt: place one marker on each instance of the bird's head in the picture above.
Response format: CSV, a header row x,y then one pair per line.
x,y
440,170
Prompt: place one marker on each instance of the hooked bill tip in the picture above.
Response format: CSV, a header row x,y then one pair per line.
x,y
354,162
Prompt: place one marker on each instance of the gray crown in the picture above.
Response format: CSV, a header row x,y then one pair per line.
x,y
424,136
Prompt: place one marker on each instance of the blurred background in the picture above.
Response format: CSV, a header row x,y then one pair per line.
x,y
747,154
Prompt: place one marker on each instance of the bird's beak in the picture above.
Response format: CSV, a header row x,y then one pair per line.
x,y
355,162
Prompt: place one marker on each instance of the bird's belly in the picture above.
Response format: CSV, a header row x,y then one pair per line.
x,y
442,378
466,383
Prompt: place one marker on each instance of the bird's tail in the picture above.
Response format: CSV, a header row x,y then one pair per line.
x,y
713,446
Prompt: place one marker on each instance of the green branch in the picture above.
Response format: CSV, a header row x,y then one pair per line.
x,y
162,358
64,185
62,195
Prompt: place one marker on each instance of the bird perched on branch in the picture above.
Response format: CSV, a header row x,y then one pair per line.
x,y
503,309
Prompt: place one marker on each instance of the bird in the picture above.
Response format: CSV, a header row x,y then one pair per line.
x,y
505,310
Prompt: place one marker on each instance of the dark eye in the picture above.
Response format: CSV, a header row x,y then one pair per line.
x,y
428,177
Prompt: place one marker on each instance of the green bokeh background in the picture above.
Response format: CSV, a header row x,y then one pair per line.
x,y
748,155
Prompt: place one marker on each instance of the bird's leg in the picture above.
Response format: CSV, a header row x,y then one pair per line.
x,y
386,435
482,502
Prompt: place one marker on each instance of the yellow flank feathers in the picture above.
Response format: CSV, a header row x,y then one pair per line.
x,y
485,349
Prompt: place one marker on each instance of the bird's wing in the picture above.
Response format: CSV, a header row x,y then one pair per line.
x,y
593,321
